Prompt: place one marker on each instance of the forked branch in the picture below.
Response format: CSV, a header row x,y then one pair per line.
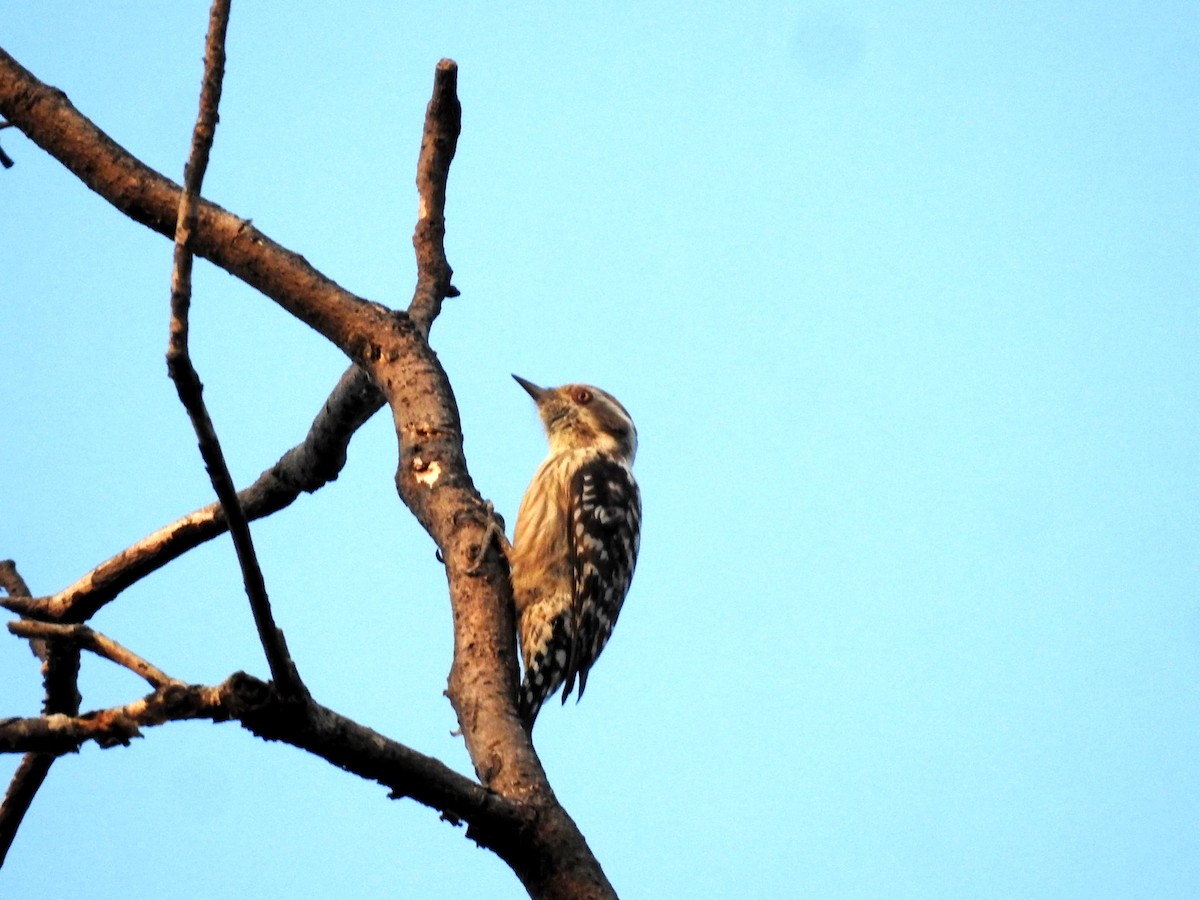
x,y
541,844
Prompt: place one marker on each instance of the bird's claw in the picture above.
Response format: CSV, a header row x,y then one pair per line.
x,y
494,532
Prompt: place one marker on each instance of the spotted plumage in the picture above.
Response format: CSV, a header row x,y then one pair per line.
x,y
576,540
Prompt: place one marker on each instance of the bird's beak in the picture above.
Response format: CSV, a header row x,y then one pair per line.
x,y
537,393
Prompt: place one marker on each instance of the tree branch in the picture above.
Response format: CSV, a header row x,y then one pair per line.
x,y
306,467
60,677
443,123
319,459
493,821
11,580
6,161
48,118
26,782
88,639
553,859
60,733
183,373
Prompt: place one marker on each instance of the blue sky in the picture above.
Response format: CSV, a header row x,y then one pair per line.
x,y
903,300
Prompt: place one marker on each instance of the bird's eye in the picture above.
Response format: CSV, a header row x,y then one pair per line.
x,y
581,395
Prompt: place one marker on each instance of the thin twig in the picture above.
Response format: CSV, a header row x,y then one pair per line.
x,y
187,382
443,122
101,645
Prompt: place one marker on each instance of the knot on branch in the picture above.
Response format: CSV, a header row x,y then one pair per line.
x,y
262,708
244,695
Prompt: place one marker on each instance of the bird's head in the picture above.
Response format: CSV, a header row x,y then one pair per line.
x,y
579,416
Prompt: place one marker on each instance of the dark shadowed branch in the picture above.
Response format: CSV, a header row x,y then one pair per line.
x,y
5,159
60,676
34,767
309,726
26,782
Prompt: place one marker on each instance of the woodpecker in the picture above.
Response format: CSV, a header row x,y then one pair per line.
x,y
576,540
